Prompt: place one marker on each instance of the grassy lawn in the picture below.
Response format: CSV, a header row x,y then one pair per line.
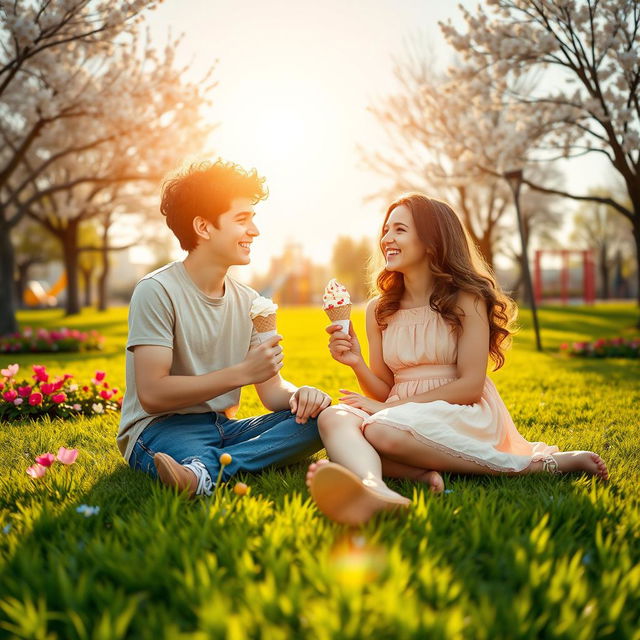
x,y
533,557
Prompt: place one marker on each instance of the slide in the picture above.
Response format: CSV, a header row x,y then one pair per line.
x,y
36,296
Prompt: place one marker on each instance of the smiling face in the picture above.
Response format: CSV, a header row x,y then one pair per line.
x,y
402,248
229,242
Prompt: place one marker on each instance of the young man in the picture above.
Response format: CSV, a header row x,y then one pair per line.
x,y
192,347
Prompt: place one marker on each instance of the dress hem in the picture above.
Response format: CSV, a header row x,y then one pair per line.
x,y
458,454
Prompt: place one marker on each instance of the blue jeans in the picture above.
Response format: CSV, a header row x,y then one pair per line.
x,y
253,443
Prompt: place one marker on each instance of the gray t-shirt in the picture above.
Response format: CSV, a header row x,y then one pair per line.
x,y
206,334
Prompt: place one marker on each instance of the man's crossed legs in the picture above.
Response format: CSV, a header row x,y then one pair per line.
x,y
193,443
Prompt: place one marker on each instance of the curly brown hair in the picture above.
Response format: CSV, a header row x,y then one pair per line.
x,y
456,265
206,189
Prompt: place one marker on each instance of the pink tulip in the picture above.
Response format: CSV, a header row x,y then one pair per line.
x,y
24,392
46,459
67,456
36,471
10,395
10,371
47,388
18,401
59,397
100,375
35,399
40,372
106,394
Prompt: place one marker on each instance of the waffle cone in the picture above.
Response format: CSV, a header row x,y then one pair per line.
x,y
265,323
339,313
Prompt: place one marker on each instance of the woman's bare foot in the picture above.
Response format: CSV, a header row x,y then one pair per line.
x,y
585,461
434,480
313,467
345,498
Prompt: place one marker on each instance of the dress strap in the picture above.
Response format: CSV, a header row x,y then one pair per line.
x,y
425,371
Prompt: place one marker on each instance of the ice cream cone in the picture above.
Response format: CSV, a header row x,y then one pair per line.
x,y
263,324
263,316
340,316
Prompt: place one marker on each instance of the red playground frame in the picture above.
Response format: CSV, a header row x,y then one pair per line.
x,y
588,274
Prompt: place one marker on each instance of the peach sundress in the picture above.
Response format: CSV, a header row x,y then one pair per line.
x,y
421,351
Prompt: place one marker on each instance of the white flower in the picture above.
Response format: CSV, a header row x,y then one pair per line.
x,y
97,407
87,511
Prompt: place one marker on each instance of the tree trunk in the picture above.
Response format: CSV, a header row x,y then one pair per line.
x,y
70,254
103,280
87,282
604,272
636,235
21,280
8,322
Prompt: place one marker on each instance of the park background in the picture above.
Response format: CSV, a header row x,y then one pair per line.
x,y
523,115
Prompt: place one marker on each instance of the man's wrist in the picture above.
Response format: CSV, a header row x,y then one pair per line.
x,y
238,375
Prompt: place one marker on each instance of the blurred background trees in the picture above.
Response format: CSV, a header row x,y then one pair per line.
x,y
93,115
87,105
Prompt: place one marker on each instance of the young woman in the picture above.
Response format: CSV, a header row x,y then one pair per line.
x,y
428,404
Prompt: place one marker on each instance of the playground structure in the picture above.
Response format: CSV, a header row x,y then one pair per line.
x,y
36,296
563,289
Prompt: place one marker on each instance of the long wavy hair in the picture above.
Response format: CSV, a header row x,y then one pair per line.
x,y
456,265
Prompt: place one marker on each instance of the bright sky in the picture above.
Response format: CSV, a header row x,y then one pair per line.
x,y
295,79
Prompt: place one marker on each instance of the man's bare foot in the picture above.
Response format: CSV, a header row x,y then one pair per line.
x,y
345,498
585,461
173,474
434,480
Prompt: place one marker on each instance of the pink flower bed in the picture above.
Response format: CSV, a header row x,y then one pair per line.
x,y
603,348
43,341
59,396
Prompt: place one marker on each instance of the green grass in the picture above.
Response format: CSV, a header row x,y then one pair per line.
x,y
530,557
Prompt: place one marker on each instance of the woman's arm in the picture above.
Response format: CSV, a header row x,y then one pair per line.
x,y
376,380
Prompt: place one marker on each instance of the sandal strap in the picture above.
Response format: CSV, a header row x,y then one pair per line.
x,y
550,465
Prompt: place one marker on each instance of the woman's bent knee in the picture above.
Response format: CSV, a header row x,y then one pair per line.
x,y
337,418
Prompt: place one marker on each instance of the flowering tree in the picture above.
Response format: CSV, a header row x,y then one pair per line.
x,y
99,108
454,138
44,78
590,104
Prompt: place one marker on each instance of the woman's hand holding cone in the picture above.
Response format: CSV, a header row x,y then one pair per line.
x,y
344,348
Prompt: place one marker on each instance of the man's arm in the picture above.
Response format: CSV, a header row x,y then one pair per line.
x,y
277,394
160,392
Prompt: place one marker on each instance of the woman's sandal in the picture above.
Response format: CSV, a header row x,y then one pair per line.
x,y
550,465
344,498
